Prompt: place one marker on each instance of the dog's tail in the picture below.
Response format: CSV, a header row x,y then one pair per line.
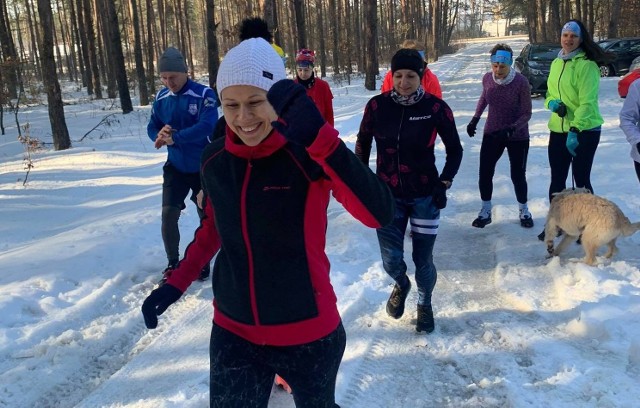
x,y
630,228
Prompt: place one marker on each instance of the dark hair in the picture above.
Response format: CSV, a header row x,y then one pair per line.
x,y
255,28
504,47
593,51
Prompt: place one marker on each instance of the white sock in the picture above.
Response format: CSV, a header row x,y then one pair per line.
x,y
524,210
485,211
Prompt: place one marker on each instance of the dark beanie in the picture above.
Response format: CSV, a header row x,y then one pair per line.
x,y
171,61
407,58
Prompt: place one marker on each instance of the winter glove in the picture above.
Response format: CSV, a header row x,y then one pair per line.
x,y
471,127
572,142
638,147
558,107
300,118
504,135
439,195
157,302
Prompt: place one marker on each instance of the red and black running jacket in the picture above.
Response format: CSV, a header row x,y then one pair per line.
x,y
267,214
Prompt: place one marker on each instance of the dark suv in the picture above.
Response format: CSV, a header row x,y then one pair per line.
x,y
624,51
534,62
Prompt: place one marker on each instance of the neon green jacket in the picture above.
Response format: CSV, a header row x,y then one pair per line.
x,y
576,83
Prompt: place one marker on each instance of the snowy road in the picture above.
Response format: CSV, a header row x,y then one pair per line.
x,y
513,329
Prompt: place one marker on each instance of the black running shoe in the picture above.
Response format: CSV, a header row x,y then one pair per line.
x,y
425,321
480,222
395,304
527,222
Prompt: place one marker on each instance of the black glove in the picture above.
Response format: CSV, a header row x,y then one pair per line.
x,y
157,302
471,127
302,119
439,195
638,147
503,135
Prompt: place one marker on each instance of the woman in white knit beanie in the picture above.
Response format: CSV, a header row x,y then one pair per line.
x,y
267,186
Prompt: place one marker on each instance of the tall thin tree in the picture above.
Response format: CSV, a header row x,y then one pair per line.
x,y
59,130
371,33
137,50
213,53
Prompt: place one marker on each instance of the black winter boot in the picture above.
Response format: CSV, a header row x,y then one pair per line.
x,y
425,319
395,304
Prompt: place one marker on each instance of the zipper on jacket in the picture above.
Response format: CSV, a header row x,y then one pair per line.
x,y
564,64
245,237
398,150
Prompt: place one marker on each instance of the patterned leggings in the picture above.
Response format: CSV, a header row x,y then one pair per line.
x,y
242,372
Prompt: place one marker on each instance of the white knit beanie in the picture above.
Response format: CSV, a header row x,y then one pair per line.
x,y
252,62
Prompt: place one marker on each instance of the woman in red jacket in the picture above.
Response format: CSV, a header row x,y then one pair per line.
x,y
317,89
429,81
267,184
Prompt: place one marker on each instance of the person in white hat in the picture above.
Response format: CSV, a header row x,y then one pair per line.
x,y
267,184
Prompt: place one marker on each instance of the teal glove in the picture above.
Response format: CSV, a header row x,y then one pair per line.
x,y
558,107
572,142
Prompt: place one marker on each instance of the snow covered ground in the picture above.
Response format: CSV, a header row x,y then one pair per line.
x,y
80,249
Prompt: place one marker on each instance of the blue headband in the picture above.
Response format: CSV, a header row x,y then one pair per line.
x,y
573,27
502,57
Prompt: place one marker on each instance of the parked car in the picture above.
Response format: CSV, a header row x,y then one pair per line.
x,y
624,51
534,62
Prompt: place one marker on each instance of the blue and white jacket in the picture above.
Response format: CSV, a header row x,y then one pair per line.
x,y
193,113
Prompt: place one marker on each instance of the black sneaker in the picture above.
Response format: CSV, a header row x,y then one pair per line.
x,y
167,272
541,235
425,321
395,304
527,222
204,273
480,222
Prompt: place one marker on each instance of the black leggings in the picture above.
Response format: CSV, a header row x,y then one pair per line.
x,y
242,372
175,188
560,160
490,152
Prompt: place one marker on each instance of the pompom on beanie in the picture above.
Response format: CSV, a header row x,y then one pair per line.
x,y
305,58
252,62
172,60
406,58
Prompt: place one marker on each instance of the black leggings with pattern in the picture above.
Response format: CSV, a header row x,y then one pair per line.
x,y
242,372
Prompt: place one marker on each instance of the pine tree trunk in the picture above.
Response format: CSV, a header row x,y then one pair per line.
x,y
118,58
142,79
87,12
213,53
150,43
298,8
371,32
59,131
9,54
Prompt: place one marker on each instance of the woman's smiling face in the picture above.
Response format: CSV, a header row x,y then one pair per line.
x,y
405,81
248,113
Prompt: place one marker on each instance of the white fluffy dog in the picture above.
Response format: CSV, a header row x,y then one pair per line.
x,y
597,221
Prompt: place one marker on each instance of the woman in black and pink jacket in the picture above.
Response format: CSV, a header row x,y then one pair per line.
x,y
267,186
404,123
